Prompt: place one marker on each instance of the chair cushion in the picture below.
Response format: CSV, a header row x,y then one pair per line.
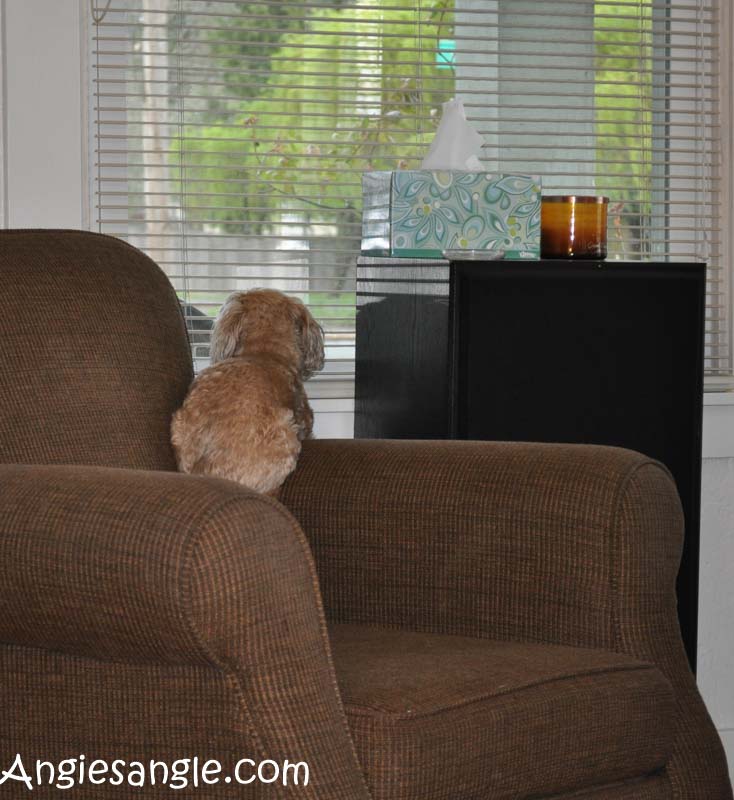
x,y
453,717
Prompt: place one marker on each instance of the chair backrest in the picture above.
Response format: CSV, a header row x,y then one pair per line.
x,y
94,357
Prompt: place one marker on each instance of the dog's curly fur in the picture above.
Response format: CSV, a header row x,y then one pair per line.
x,y
246,415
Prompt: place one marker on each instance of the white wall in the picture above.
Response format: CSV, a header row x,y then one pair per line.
x,y
44,126
43,117
716,597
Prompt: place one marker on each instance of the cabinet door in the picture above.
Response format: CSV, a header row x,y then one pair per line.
x,y
589,353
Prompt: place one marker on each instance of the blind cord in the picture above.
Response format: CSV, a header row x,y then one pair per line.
x,y
182,170
97,14
97,18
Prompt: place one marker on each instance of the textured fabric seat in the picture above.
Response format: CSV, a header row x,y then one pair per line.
x,y
449,716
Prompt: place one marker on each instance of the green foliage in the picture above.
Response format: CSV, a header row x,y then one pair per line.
x,y
245,50
281,155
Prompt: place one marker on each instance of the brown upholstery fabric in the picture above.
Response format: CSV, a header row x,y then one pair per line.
x,y
155,615
93,351
441,717
152,615
558,544
654,787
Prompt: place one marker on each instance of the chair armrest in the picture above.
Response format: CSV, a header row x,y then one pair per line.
x,y
161,568
570,544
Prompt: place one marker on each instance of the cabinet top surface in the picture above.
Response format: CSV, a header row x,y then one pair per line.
x,y
610,264
409,270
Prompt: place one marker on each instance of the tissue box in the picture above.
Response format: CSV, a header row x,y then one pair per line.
x,y
420,213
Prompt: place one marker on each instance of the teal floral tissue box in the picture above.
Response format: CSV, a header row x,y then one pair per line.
x,y
420,213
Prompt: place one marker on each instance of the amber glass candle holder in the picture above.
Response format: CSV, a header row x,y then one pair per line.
x,y
573,226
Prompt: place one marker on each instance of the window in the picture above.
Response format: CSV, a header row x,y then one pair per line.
x,y
230,137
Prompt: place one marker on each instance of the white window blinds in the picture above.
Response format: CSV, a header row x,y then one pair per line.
x,y
230,137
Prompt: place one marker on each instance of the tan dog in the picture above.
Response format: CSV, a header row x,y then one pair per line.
x,y
246,415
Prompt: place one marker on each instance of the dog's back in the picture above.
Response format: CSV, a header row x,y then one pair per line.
x,y
240,422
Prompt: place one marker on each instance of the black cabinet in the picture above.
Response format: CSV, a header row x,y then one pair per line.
x,y
549,351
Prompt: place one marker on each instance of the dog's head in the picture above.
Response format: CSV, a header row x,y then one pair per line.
x,y
270,321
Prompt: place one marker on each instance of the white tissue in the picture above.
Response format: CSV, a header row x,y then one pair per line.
x,y
456,145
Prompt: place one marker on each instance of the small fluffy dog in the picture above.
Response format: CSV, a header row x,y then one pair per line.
x,y
246,415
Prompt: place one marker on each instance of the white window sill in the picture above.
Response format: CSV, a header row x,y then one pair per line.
x,y
718,398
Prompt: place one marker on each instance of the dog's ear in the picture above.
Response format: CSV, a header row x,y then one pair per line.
x,y
311,342
228,333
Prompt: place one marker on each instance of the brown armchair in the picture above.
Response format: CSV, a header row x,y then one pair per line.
x,y
414,620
